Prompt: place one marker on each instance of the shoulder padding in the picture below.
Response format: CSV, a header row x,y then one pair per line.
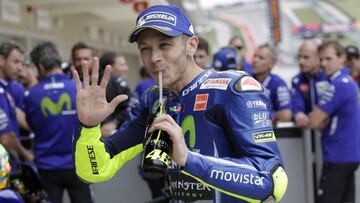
x,y
246,83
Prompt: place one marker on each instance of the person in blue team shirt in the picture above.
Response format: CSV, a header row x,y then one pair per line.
x,y
238,44
11,62
202,54
225,59
264,60
309,84
337,114
9,127
50,112
223,145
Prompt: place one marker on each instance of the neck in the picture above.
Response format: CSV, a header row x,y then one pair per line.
x,y
54,71
191,72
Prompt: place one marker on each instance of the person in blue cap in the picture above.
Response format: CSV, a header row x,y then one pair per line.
x,y
337,115
223,146
225,59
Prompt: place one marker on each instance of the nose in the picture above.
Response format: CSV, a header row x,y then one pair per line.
x,y
156,55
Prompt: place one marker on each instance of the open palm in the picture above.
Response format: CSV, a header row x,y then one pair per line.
x,y
91,105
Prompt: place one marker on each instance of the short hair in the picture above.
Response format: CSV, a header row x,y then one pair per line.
x,y
47,55
203,45
108,58
80,45
271,48
7,47
339,49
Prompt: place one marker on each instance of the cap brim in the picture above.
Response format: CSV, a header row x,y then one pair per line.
x,y
135,33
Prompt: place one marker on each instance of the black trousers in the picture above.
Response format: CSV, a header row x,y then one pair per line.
x,y
337,183
55,181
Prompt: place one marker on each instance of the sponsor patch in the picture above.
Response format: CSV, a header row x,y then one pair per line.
x,y
304,87
157,16
248,84
196,84
216,83
256,104
261,119
92,159
266,136
200,102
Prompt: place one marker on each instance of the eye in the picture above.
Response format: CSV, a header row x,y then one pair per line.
x,y
165,44
144,50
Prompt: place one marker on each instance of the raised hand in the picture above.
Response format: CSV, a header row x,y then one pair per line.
x,y
91,105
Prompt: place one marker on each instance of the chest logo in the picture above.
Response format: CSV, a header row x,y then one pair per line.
x,y
47,105
200,102
216,83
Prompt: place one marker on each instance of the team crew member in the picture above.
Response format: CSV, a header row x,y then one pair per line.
x,y
236,158
11,62
309,84
225,59
117,85
50,112
338,113
276,88
237,43
202,53
7,133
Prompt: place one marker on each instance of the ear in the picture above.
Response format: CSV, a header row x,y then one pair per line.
x,y
191,45
42,71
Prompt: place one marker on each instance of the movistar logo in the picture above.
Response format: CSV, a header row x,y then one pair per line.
x,y
188,126
47,105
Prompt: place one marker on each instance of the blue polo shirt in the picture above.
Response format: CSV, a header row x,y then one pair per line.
x,y
278,92
8,107
341,137
306,90
50,110
16,90
6,113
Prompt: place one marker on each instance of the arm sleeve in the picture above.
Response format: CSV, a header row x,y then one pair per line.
x,y
97,159
332,98
5,123
282,97
250,174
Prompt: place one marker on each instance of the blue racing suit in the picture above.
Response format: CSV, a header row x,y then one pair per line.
x,y
226,120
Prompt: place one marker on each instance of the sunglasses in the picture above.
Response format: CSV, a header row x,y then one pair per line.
x,y
239,47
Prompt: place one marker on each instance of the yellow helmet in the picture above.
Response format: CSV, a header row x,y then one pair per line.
x,y
5,167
